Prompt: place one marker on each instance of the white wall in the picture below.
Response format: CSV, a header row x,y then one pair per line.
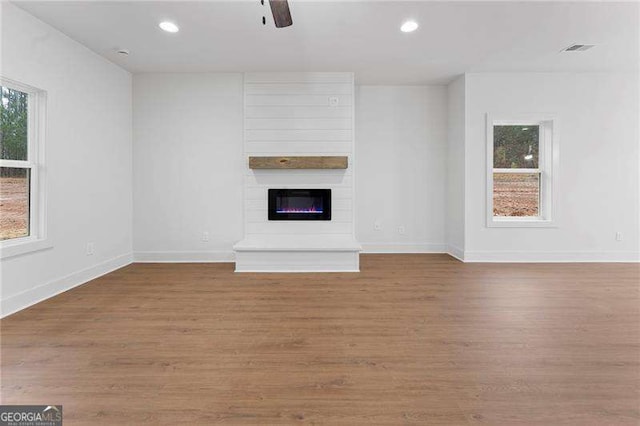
x,y
597,121
401,143
188,166
173,208
456,93
88,159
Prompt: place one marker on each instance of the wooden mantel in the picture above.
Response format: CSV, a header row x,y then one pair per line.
x,y
335,162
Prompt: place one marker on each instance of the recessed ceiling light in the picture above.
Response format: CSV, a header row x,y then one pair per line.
x,y
409,26
169,27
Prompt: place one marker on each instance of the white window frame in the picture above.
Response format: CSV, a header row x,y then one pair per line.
x,y
548,160
38,238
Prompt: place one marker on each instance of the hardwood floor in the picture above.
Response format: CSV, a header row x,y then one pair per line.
x,y
412,339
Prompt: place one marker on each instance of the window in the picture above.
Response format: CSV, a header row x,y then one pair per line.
x,y
22,224
521,155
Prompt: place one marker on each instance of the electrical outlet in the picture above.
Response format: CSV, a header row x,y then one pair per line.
x,y
205,236
90,249
401,230
618,236
377,225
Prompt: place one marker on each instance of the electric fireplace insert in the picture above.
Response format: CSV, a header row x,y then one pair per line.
x,y
299,204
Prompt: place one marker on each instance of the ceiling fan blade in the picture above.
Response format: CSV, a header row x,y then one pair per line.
x,y
281,13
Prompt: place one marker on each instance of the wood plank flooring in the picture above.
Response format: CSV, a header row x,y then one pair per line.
x,y
412,339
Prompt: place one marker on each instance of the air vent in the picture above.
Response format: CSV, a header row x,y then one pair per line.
x,y
578,47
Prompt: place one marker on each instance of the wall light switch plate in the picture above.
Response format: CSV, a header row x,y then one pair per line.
x,y
334,101
90,249
401,230
377,225
205,236
618,236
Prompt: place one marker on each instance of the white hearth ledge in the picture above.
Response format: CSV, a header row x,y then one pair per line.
x,y
298,253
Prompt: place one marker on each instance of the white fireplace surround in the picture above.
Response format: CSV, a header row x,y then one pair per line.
x,y
298,114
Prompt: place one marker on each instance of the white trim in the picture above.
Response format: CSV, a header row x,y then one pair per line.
x,y
39,196
522,119
35,295
20,246
509,256
403,248
547,170
456,252
219,256
518,171
16,164
16,85
521,222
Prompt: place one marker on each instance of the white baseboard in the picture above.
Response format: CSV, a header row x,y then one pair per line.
x,y
223,256
456,252
35,295
403,248
551,256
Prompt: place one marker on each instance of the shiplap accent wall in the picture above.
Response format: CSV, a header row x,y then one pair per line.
x,y
296,114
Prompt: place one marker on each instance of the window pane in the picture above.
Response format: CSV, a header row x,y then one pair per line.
x,y
516,194
13,124
14,202
515,147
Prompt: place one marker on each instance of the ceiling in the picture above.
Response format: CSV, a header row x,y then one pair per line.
x,y
360,36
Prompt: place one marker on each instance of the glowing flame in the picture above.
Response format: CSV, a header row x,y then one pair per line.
x,y
311,209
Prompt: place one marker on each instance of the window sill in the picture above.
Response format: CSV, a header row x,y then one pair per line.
x,y
525,222
21,246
